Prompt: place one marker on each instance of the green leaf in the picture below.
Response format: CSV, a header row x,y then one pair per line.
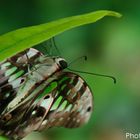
x,y
18,40
3,138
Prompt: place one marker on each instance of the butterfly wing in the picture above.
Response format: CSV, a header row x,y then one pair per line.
x,y
68,104
12,73
27,98
22,117
32,111
73,104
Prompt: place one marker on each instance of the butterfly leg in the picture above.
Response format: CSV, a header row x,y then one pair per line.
x,y
29,64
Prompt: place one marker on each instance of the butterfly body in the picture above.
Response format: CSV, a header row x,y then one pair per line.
x,y
36,94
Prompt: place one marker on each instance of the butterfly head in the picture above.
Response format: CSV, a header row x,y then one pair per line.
x,y
61,62
53,61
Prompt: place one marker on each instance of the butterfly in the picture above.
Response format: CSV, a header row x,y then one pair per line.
x,y
36,93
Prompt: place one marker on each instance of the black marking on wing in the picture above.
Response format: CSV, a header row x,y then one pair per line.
x,y
68,105
71,106
76,110
12,75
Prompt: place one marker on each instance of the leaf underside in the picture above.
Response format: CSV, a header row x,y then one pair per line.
x,y
21,39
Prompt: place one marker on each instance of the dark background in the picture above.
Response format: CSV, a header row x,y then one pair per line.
x,y
112,46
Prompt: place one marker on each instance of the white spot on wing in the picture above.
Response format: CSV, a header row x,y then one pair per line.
x,y
34,112
46,103
44,122
61,119
78,121
79,84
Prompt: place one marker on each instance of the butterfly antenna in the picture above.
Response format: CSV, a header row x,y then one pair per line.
x,y
75,60
108,76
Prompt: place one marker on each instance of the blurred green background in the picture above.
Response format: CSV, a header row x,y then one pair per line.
x,y
112,46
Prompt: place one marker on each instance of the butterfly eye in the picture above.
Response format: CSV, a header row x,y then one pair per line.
x,y
62,63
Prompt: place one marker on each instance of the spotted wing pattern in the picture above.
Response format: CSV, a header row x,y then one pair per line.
x,y
68,105
11,75
72,105
44,99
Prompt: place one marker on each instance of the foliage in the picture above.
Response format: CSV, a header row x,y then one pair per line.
x,y
23,38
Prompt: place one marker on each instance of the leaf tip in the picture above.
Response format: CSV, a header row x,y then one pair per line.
x,y
116,14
